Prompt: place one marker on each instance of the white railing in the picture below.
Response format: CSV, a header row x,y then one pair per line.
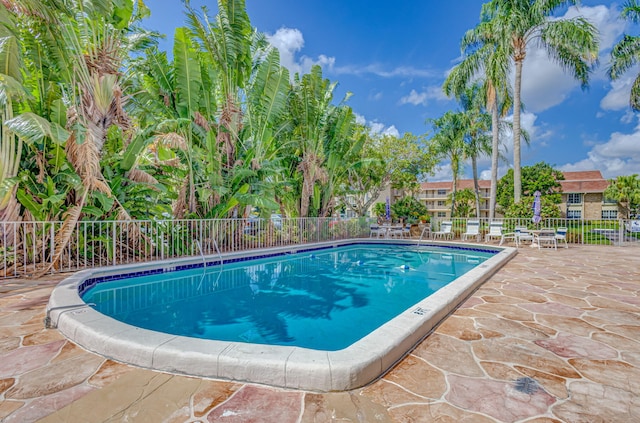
x,y
616,232
26,248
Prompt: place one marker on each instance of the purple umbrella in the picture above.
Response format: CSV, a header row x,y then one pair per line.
x,y
536,208
388,210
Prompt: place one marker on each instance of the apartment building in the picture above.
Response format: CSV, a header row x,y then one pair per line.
x,y
435,194
582,196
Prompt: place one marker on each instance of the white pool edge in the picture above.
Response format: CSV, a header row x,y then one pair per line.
x,y
283,366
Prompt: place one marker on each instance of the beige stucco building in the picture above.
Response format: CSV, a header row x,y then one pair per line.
x,y
582,196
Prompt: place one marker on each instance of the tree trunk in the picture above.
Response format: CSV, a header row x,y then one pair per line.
x,y
495,132
454,169
517,175
476,186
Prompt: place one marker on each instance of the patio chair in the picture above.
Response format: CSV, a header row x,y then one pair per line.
x,y
396,231
523,234
446,231
561,236
546,237
495,231
377,231
473,230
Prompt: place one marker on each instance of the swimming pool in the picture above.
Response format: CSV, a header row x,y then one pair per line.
x,y
324,300
343,365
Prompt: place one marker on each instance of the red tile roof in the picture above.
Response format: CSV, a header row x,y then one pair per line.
x,y
575,182
448,185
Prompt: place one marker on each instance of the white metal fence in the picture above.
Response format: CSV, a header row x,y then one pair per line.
x,y
26,247
616,232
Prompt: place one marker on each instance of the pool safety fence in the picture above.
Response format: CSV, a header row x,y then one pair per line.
x,y
29,248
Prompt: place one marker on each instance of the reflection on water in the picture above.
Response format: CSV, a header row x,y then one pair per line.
x,y
325,300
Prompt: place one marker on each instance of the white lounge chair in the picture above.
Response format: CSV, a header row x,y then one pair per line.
x,y
446,231
495,231
561,236
473,230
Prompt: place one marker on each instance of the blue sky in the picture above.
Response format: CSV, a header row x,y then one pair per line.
x,y
394,58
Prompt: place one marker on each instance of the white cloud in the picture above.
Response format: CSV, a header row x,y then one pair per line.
x,y
538,135
376,127
422,98
544,83
376,96
618,97
620,155
379,70
414,98
502,170
289,41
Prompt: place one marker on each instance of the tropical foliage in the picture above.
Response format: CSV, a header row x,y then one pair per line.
x,y
539,177
465,203
99,123
409,209
625,190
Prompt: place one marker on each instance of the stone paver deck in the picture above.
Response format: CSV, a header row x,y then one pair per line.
x,y
552,337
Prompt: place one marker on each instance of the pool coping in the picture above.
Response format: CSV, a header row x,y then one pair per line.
x,y
283,366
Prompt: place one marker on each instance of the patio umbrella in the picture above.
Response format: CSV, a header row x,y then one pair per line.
x,y
536,208
388,210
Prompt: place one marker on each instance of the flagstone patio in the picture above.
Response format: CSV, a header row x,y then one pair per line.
x,y
554,336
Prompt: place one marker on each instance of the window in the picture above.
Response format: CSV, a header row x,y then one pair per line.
x,y
609,201
442,192
574,214
574,198
442,214
441,203
609,214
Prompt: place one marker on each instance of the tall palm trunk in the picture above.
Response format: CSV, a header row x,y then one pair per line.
x,y
495,134
517,175
454,169
476,185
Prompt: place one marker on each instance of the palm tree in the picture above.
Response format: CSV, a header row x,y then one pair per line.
x,y
626,191
626,53
485,57
516,24
448,141
311,108
476,126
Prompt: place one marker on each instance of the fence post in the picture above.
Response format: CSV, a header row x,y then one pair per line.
x,y
113,241
620,232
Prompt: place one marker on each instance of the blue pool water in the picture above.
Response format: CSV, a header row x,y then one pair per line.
x,y
325,299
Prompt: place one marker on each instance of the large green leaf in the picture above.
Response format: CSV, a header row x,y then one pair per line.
x,y
10,57
132,152
33,129
10,88
30,204
188,82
